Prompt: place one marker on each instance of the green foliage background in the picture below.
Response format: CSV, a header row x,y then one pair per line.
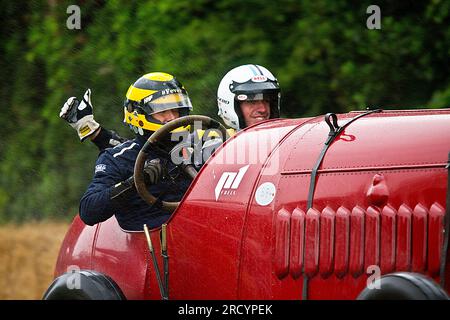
x,y
321,51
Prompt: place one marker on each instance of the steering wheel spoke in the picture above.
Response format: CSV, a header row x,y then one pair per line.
x,y
154,144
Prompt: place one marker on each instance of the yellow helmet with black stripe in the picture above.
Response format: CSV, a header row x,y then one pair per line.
x,y
153,93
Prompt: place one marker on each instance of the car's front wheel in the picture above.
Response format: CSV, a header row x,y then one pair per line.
x,y
404,286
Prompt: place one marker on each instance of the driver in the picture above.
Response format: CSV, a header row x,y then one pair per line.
x,y
153,100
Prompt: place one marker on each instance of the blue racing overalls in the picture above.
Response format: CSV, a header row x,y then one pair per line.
x,y
115,165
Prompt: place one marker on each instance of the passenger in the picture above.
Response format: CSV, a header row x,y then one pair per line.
x,y
112,189
247,95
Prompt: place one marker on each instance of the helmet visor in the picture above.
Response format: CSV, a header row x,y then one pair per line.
x,y
163,102
254,87
250,96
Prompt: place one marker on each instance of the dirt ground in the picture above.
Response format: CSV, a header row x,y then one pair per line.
x,y
27,258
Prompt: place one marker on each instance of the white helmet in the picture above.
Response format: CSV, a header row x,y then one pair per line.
x,y
246,82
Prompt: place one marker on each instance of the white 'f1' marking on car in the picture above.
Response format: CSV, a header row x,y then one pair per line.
x,y
230,180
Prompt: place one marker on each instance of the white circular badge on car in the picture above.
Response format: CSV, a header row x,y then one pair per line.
x,y
265,193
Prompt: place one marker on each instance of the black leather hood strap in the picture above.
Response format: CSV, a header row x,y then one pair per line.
x,y
335,130
444,254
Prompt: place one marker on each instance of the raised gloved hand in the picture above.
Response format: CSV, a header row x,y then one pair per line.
x,y
154,171
79,114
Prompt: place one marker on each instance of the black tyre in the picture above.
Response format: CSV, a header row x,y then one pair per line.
x,y
405,286
90,285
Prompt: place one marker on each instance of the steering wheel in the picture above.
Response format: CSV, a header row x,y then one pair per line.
x,y
153,142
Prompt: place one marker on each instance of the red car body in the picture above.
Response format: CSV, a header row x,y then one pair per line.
x,y
379,200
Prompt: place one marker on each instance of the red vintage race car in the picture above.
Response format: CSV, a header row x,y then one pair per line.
x,y
312,208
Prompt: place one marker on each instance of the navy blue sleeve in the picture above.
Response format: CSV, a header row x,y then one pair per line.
x,y
95,205
107,139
